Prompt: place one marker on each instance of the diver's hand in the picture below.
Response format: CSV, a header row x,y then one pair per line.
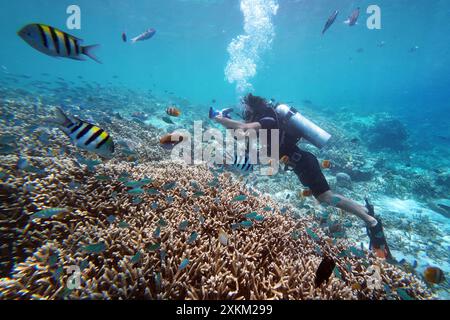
x,y
220,119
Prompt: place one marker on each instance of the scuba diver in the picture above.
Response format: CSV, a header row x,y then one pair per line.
x,y
260,114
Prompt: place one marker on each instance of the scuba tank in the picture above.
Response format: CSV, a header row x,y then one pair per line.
x,y
292,122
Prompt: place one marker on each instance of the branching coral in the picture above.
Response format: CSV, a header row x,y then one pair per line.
x,y
159,241
260,262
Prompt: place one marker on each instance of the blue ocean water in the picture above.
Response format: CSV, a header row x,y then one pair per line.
x,y
189,53
205,50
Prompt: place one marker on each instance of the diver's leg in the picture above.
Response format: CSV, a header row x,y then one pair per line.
x,y
348,205
308,170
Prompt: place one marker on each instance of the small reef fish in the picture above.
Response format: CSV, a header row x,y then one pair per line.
x,y
167,120
414,49
22,163
85,135
353,19
124,37
48,213
284,159
136,258
324,271
169,185
152,191
55,43
330,21
259,218
239,198
242,164
154,247
89,163
306,193
234,226
173,112
123,225
326,164
246,224
53,260
170,140
144,36
403,294
162,222
312,234
356,286
183,225
95,248
163,255
169,200
57,273
183,264
337,273
223,238
136,191
434,275
157,232
154,205
192,237
251,215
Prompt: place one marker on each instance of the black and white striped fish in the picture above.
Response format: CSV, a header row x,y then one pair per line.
x,y
242,164
85,135
55,43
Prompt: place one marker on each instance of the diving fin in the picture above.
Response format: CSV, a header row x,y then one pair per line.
x,y
378,243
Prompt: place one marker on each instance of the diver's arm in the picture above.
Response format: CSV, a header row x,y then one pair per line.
x,y
233,124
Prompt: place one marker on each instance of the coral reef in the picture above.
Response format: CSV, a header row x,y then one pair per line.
x,y
387,133
262,262
343,180
160,241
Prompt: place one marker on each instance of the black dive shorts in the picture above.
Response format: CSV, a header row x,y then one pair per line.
x,y
307,168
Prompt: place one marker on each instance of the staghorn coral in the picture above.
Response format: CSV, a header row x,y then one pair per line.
x,y
263,262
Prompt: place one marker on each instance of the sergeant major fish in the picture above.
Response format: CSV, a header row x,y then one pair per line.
x,y
55,43
240,164
85,135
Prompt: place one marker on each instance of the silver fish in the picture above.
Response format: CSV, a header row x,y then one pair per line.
x,y
144,36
